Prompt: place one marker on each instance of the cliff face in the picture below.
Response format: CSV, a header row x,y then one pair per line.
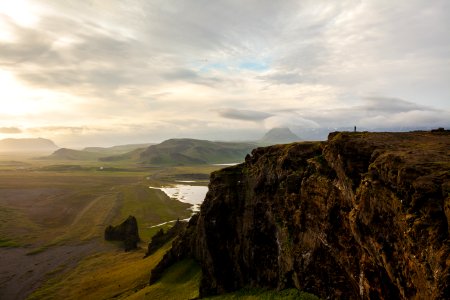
x,y
364,215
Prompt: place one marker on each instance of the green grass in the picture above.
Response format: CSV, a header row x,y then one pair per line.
x,y
15,227
263,294
150,207
181,281
70,203
101,276
7,243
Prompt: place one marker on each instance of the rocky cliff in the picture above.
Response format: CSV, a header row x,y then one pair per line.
x,y
361,216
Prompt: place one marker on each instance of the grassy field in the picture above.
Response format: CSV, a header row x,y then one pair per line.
x,y
105,275
53,215
262,294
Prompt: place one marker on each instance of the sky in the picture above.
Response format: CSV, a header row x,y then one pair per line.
x,y
109,72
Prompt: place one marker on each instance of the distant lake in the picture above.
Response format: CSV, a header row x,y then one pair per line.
x,y
192,194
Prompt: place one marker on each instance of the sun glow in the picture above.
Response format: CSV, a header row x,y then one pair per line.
x,y
15,99
19,100
20,11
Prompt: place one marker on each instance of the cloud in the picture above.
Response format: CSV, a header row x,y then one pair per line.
x,y
246,115
391,105
59,130
381,112
283,77
291,120
408,119
264,63
10,130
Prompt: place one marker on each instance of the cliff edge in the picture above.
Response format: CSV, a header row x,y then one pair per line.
x,y
361,216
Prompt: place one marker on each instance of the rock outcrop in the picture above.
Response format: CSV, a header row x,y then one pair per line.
x,y
161,237
126,232
361,216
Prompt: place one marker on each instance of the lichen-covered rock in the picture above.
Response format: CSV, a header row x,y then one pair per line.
x,y
126,232
361,216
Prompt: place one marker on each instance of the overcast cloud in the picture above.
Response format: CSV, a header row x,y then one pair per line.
x,y
115,72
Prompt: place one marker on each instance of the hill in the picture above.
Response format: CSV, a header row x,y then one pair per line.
x,y
29,145
191,152
133,155
115,153
278,136
119,149
71,154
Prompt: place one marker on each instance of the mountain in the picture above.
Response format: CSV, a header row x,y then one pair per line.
x,y
133,155
29,145
71,154
119,149
278,136
191,152
360,216
115,153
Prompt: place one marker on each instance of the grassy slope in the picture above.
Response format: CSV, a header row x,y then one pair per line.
x,y
102,276
150,207
181,281
261,294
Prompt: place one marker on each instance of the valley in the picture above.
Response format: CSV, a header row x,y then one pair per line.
x,y
53,216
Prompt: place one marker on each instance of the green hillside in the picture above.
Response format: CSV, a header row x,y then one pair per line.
x,y
191,152
71,154
119,149
133,155
115,153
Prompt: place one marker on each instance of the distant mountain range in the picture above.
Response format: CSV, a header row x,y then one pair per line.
x,y
115,153
178,151
28,145
170,152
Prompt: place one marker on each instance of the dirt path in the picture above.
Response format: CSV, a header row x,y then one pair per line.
x,y
85,209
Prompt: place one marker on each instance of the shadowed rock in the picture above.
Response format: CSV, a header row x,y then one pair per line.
x,y
126,232
161,237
